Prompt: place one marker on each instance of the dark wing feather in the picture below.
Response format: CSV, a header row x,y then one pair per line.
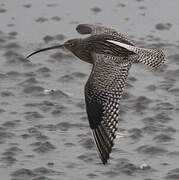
x,y
103,92
98,29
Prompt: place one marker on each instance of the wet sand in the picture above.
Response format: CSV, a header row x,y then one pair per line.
x,y
45,135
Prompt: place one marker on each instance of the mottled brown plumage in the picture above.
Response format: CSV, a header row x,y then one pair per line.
x,y
112,55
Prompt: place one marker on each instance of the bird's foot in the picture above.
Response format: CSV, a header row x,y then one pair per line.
x,y
121,135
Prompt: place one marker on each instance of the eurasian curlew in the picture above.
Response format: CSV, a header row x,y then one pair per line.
x,y
111,54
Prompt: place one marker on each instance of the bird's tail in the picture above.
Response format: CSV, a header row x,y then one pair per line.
x,y
151,57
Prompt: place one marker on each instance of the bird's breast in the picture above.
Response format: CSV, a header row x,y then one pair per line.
x,y
84,54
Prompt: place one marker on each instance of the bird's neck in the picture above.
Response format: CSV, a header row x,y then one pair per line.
x,y
83,52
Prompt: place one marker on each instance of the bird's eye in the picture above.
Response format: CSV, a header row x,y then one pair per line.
x,y
71,44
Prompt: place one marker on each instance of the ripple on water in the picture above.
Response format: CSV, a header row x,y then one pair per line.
x,y
96,10
169,130
151,150
59,56
12,45
167,84
2,76
33,89
174,154
87,143
58,37
173,174
135,133
172,74
64,126
9,156
43,70
174,58
34,132
174,91
126,95
23,173
29,81
12,74
4,134
9,160
92,175
72,77
162,138
3,10
6,94
45,171
43,147
32,115
48,38
13,150
56,18
66,78
162,117
39,173
88,157
163,106
52,5
125,166
14,58
45,106
141,103
11,124
27,5
41,20
121,5
2,110
59,109
163,26
151,87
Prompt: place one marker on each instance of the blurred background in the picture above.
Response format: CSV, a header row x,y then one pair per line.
x,y
45,135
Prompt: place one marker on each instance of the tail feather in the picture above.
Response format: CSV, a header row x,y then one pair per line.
x,y
151,57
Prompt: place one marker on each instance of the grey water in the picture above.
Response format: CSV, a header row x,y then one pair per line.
x,y
46,136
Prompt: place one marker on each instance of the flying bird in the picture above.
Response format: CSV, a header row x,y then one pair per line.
x,y
111,54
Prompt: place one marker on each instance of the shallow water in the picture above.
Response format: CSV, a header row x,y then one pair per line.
x,y
46,135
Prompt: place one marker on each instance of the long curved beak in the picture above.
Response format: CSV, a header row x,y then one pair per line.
x,y
45,49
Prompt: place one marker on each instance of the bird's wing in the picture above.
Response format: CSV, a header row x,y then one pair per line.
x,y
103,92
151,57
98,29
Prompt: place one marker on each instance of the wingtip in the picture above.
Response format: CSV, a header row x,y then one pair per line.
x,y
105,162
103,150
83,29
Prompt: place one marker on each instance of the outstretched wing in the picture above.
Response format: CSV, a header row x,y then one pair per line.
x,y
98,29
103,92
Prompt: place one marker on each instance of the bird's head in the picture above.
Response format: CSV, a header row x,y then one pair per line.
x,y
70,45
